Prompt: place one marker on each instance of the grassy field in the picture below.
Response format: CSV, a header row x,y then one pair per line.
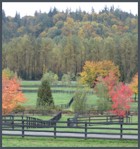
x,y
64,98
52,88
63,142
59,98
39,82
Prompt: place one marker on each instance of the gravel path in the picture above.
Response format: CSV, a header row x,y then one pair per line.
x,y
70,135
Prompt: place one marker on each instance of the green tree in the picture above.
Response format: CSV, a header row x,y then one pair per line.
x,y
66,79
103,102
80,101
45,98
51,77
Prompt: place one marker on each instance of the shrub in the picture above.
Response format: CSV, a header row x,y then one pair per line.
x,y
66,79
19,108
51,77
103,103
80,101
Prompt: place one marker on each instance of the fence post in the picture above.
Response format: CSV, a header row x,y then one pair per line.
x,y
27,122
55,130
89,120
107,118
85,130
13,122
121,130
22,117
22,128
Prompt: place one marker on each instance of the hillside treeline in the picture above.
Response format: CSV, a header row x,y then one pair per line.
x,y
62,41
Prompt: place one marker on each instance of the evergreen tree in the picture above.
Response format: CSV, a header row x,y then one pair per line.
x,y
44,95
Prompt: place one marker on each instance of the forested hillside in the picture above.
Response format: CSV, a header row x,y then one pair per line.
x,y
62,41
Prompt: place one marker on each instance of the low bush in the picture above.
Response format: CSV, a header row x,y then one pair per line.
x,y
19,108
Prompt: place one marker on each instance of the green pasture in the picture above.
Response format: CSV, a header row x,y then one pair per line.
x,y
52,88
30,83
39,82
9,141
59,98
64,98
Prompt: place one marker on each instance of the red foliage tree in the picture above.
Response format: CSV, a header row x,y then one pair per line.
x,y
11,94
119,94
109,82
121,97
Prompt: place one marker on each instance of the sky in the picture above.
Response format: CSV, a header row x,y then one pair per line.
x,y
29,8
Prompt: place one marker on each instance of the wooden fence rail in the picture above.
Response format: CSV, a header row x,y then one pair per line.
x,y
100,130
59,86
53,91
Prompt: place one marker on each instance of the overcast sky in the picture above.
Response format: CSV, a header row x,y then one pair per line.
x,y
28,8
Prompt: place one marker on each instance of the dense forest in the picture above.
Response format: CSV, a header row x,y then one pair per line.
x,y
61,42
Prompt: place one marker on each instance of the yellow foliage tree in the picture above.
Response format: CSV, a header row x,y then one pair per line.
x,y
92,70
134,85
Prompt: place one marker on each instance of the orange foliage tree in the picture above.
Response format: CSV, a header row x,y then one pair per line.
x,y
93,70
11,94
134,85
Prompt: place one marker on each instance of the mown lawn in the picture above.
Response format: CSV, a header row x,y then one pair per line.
x,y
59,98
39,82
30,83
8,141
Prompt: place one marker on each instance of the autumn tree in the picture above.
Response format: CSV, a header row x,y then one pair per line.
x,y
121,97
11,94
134,85
8,73
113,95
64,41
92,70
